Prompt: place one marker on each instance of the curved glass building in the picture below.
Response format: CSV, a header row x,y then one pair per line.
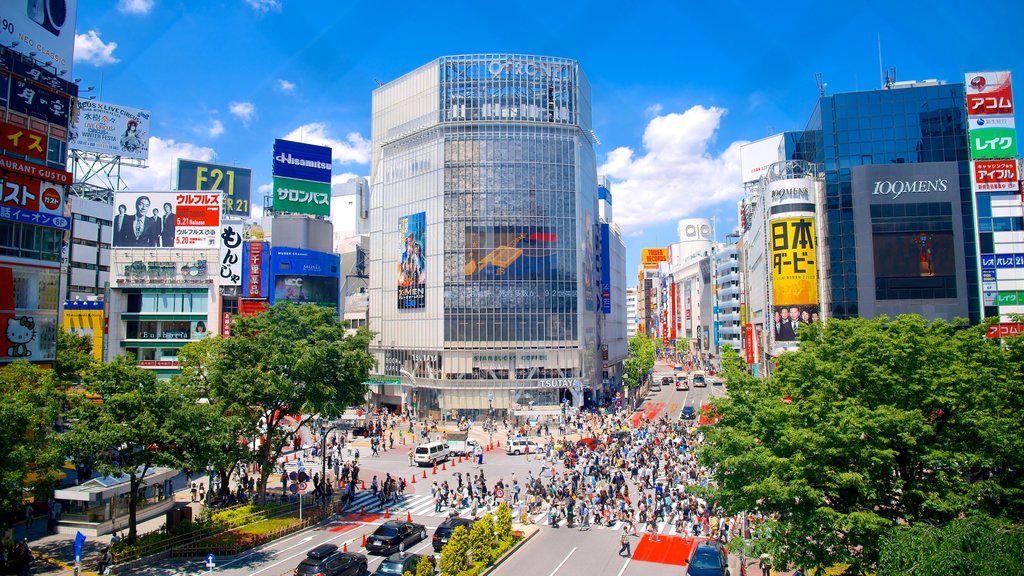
x,y
484,278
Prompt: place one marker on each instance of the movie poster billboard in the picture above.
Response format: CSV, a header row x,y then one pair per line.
x,y
412,279
234,183
109,129
794,276
174,219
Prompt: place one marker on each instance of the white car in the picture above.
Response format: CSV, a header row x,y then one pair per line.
x,y
521,445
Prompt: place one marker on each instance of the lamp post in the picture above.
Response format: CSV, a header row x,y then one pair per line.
x,y
323,454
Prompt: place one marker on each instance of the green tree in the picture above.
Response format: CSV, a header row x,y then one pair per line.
x,y
503,523
425,567
974,546
481,539
28,406
639,362
141,423
74,358
682,346
871,423
284,362
454,555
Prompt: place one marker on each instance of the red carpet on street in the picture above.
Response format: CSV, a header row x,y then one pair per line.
x,y
674,550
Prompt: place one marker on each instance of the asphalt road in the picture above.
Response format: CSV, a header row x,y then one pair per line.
x,y
552,551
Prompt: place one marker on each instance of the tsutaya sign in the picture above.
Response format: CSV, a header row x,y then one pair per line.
x,y
897,188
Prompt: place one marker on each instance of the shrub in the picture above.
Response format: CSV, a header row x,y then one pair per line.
x,y
481,539
503,525
453,555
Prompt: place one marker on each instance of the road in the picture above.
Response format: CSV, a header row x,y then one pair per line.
x,y
552,551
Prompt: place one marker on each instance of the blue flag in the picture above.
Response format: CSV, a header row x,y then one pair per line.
x,y
79,542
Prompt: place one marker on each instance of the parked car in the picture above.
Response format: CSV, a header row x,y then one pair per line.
x,y
360,431
520,446
431,453
398,564
709,559
395,536
688,413
444,532
326,560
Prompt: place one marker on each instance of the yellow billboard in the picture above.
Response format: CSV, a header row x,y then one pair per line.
x,y
651,256
86,319
794,276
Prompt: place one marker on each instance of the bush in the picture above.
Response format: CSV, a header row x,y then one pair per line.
x,y
503,525
454,554
481,539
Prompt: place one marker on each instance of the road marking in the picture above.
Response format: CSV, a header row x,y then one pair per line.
x,y
560,564
624,566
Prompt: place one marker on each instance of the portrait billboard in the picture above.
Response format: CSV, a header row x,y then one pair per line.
x,y
794,276
995,176
231,253
43,28
302,197
302,161
988,93
166,219
412,262
109,129
85,318
235,184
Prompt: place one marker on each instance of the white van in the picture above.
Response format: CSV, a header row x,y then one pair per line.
x,y
431,453
521,446
698,379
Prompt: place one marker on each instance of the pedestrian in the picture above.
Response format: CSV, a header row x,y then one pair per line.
x,y
412,461
194,492
391,440
30,516
624,544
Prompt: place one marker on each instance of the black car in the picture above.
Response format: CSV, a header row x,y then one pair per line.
x,y
444,531
709,559
667,380
390,536
326,560
398,564
688,413
360,431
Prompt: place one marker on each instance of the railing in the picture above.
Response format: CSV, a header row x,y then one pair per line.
x,y
201,548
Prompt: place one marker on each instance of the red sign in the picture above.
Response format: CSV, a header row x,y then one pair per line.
x,y
18,191
21,140
255,269
989,93
251,307
225,325
749,333
1004,329
35,170
672,311
996,176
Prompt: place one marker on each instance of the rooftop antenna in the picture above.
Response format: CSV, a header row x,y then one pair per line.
x,y
821,85
881,72
379,83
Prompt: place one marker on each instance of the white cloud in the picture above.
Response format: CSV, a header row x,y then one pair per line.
x,y
677,176
286,86
353,150
135,6
163,159
91,50
216,129
653,110
264,6
244,111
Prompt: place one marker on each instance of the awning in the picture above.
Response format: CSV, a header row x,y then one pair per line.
x,y
107,487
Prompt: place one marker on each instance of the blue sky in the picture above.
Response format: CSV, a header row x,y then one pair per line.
x,y
677,87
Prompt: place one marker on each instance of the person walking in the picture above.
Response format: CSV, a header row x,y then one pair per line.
x,y
624,544
412,461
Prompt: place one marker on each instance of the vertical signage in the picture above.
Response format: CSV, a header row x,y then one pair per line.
x,y
794,275
606,268
302,178
991,131
231,253
255,257
748,332
412,279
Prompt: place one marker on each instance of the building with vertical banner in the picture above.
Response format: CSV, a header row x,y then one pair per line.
x,y
35,107
485,279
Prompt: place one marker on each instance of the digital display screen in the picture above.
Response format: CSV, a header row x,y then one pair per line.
x,y
319,290
914,255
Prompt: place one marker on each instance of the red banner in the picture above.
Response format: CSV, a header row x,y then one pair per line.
x,y
672,311
1004,329
996,176
749,331
225,325
21,140
255,269
251,307
31,194
35,170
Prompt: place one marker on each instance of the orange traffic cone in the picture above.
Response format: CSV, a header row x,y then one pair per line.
x,y
435,468
364,540
443,466
413,479
387,512
408,516
344,547
499,443
424,474
364,485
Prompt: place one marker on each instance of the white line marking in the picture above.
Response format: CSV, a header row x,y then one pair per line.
x,y
624,566
566,559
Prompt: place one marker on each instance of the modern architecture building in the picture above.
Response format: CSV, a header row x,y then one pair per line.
x,y
728,279
485,284
88,263
632,319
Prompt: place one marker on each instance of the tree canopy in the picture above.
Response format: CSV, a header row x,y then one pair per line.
x,y
871,424
639,362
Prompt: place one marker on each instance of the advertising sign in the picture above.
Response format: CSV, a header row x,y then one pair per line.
x,y
652,256
748,344
302,161
412,279
794,276
305,277
34,170
509,252
302,197
28,326
988,93
174,219
43,28
256,256
606,269
85,318
31,97
672,311
109,129
33,201
756,157
164,272
234,183
992,137
791,195
231,253
995,176
21,140
1004,330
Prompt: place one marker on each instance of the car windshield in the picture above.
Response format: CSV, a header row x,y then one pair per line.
x,y
308,567
390,567
698,378
706,561
423,450
386,530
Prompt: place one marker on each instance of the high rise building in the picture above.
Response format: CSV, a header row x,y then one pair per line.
x,y
485,287
632,320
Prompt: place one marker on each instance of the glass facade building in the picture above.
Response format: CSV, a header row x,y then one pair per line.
x,y
912,123
484,283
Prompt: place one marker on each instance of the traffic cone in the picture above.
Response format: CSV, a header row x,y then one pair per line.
x,y
344,547
408,516
364,540
435,468
387,512
362,510
443,466
364,485
424,474
499,443
413,479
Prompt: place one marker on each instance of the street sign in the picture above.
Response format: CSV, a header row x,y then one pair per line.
x,y
293,476
79,542
211,560
499,493
302,486
294,488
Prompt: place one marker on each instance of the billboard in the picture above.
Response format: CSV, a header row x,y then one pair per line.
x,y
234,183
756,157
21,140
650,257
606,269
988,93
304,277
992,137
174,219
794,276
510,252
256,258
791,195
28,313
33,201
109,129
412,271
85,318
302,161
231,253
43,28
995,176
302,196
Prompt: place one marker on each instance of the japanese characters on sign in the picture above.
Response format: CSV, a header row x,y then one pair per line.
x,y
33,201
794,275
234,182
996,176
21,140
231,253
170,219
991,129
110,129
